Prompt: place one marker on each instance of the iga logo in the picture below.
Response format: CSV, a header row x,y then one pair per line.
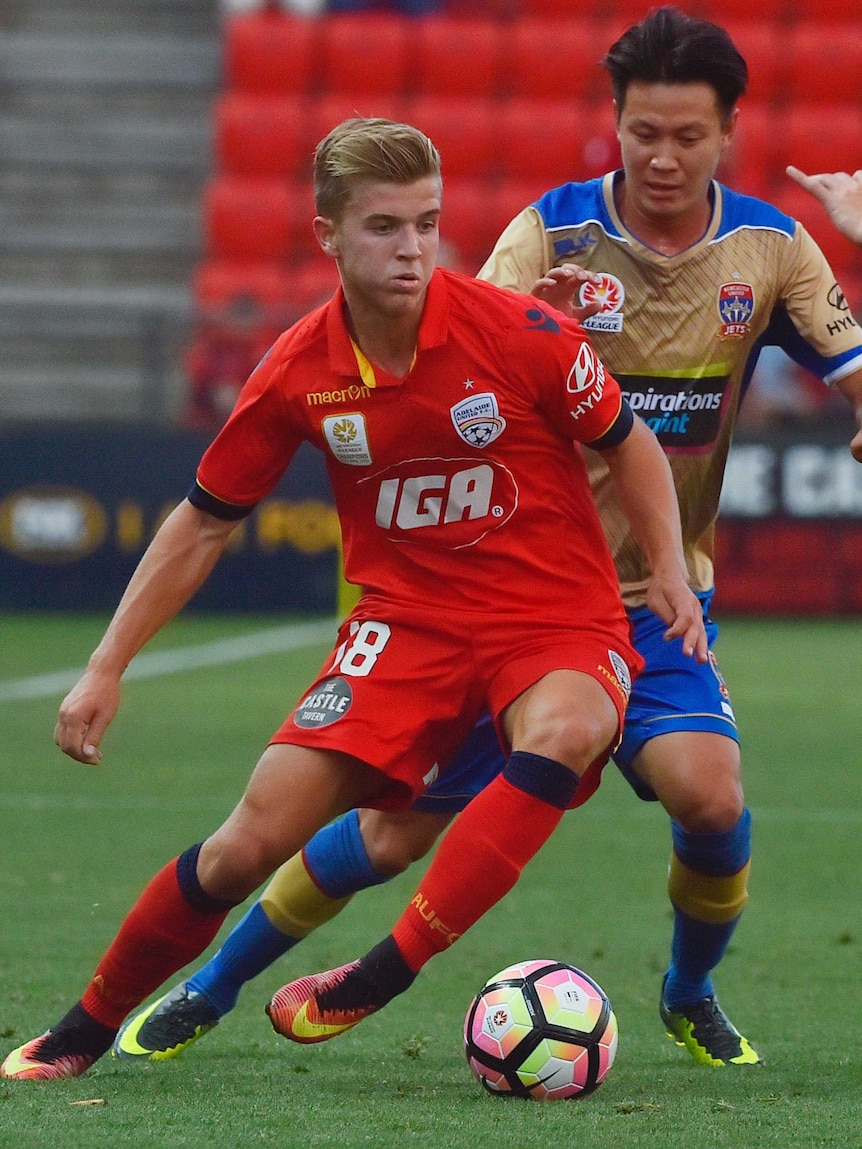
x,y
448,502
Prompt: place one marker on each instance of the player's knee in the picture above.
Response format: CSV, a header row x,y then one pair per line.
x,y
710,811
231,867
576,740
392,848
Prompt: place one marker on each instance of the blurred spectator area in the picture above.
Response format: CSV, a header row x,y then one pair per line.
x,y
155,155
512,93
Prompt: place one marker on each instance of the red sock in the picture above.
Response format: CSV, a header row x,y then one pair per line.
x,y
161,933
474,868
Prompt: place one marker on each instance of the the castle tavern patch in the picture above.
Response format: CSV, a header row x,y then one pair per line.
x,y
325,704
478,420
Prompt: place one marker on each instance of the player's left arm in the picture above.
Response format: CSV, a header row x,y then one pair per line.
x,y
644,486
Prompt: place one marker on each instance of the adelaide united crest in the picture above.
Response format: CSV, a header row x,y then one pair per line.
x,y
477,419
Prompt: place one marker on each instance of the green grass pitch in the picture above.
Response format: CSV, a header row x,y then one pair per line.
x,y
78,843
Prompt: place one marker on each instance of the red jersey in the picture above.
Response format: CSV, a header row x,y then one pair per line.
x,y
457,487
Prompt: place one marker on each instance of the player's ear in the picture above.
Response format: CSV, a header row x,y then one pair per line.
x,y
325,233
729,129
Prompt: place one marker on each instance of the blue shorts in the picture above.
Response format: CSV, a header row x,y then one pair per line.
x,y
672,692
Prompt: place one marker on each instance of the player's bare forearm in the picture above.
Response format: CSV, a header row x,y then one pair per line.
x,y
645,489
175,565
851,388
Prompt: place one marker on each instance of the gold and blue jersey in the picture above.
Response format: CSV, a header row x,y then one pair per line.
x,y
681,333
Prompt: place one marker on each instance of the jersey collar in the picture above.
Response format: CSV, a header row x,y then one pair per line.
x,y
345,358
608,183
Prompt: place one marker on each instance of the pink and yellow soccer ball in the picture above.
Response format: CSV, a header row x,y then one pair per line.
x,y
540,1029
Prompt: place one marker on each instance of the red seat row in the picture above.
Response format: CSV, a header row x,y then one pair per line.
x,y
720,11
552,140
251,219
379,54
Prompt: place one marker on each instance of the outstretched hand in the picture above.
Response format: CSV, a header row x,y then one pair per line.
x,y
841,195
558,288
673,600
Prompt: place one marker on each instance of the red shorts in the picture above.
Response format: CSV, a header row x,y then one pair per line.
x,y
403,690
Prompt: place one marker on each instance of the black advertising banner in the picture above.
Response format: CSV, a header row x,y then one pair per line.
x,y
78,507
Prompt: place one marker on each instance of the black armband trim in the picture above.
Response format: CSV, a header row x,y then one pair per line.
x,y
201,498
620,429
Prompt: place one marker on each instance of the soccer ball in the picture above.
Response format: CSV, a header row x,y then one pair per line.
x,y
540,1029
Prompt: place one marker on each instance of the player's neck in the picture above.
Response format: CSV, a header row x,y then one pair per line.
x,y
667,236
389,343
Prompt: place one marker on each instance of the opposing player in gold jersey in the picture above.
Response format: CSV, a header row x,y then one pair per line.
x,y
686,279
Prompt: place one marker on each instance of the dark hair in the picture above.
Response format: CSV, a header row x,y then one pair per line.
x,y
668,47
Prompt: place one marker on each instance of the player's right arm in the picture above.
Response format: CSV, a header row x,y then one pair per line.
x,y
175,565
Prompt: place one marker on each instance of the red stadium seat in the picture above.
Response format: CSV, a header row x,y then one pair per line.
x,y
364,55
217,282
750,163
509,199
284,290
822,137
310,282
763,45
254,219
330,109
556,59
270,52
722,11
542,139
843,256
549,9
825,63
465,130
262,135
465,221
455,57
837,10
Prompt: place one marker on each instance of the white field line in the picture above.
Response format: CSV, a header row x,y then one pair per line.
x,y
156,663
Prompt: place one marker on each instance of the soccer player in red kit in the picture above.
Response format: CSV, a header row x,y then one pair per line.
x,y
447,411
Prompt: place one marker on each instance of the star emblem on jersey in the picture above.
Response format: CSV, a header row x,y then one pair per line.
x,y
478,420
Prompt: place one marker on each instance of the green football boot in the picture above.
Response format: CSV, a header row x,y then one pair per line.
x,y
704,1029
167,1027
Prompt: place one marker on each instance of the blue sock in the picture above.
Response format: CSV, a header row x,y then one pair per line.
x,y
698,946
338,863
252,945
337,859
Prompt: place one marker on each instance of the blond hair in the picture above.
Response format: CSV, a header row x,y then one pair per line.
x,y
368,149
